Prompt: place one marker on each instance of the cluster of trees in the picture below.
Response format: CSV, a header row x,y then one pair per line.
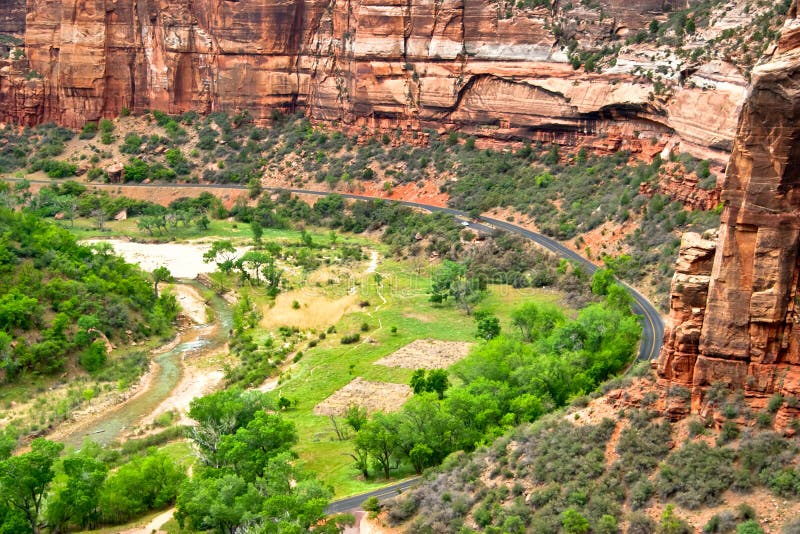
x,y
248,474
505,381
401,224
57,297
170,220
41,490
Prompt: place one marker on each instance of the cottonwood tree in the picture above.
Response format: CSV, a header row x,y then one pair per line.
x,y
379,437
25,479
452,281
223,253
160,274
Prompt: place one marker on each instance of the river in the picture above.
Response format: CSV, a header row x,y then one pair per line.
x,y
194,343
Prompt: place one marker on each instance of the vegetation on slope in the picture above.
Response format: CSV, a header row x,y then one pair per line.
x,y
567,195
632,471
59,297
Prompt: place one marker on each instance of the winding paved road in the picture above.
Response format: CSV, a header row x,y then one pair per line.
x,y
652,324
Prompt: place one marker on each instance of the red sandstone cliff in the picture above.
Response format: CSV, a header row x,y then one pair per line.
x,y
735,321
487,67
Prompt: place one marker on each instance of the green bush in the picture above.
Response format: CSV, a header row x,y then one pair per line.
x,y
93,358
696,475
89,130
349,339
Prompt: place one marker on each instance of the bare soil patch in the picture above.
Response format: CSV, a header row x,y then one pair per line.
x,y
374,396
427,354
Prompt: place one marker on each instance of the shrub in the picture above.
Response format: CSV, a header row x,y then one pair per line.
x,y
131,144
792,527
720,523
371,505
639,523
696,475
94,357
774,403
672,524
696,428
55,168
349,339
749,527
728,433
89,131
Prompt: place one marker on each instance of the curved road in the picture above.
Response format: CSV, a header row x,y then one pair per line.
x,y
652,324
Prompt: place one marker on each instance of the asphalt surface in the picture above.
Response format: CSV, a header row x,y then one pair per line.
x,y
652,324
387,492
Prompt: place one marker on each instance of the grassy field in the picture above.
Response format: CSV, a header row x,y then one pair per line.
x,y
328,367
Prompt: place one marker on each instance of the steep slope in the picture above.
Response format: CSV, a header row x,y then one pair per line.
x,y
734,320
502,69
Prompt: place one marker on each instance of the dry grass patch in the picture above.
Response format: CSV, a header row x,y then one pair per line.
x,y
427,354
313,309
374,396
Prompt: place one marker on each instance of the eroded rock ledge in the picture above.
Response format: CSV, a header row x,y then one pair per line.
x,y
379,64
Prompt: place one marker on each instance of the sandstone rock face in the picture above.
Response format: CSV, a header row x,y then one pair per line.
x,y
12,17
486,67
746,332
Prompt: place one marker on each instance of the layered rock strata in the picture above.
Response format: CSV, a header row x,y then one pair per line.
x,y
745,333
486,67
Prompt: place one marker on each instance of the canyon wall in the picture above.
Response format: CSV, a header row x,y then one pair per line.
x,y
734,319
486,67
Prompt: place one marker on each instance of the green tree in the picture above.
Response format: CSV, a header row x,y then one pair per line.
x,y
306,239
223,253
488,325
452,281
94,357
222,413
252,262
77,501
419,381
254,189
573,522
221,504
379,437
248,451
146,483
17,310
136,170
437,382
160,274
607,525
356,416
602,279
286,499
258,232
24,479
534,319
420,456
